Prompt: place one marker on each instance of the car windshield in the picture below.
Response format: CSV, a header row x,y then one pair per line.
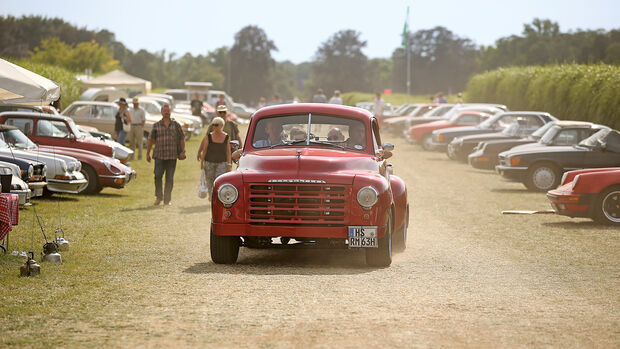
x,y
440,111
511,130
596,139
550,134
488,123
16,139
542,130
326,130
75,129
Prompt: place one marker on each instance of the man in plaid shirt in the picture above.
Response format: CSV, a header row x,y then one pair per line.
x,y
167,136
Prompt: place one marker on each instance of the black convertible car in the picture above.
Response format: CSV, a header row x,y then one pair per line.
x,y
540,167
497,123
461,147
485,154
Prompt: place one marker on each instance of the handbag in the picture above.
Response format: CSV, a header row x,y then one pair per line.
x,y
203,189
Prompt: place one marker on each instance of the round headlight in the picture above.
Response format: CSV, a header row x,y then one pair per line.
x,y
78,166
63,165
367,196
228,194
30,171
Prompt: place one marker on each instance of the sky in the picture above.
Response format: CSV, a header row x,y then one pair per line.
x,y
299,27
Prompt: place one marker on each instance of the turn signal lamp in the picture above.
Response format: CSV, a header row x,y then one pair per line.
x,y
440,138
515,161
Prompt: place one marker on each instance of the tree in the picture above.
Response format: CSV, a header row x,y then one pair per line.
x,y
340,64
251,64
84,55
441,61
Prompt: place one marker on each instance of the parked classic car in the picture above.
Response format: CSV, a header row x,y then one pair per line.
x,y
441,138
60,131
540,167
18,186
590,193
396,124
63,172
318,190
447,112
422,134
31,171
460,147
188,122
485,154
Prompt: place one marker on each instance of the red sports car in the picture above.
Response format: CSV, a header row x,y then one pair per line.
x,y
592,193
301,183
423,133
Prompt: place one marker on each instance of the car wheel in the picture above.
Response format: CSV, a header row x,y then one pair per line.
x,y
607,207
382,255
224,249
92,179
543,177
427,142
400,237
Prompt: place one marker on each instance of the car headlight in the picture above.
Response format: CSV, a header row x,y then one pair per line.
x,y
63,165
367,196
575,181
228,194
78,166
30,171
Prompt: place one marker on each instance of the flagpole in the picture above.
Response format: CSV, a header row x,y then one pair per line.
x,y
408,57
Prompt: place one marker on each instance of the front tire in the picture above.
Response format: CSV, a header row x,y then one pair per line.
x,y
607,207
427,142
93,180
543,177
382,255
224,249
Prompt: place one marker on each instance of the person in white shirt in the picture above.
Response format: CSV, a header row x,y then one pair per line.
x,y
336,98
136,131
379,106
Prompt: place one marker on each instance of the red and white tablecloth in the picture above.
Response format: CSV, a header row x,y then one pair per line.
x,y
9,213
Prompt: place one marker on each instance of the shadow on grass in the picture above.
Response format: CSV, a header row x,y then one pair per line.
x,y
195,209
516,190
57,198
481,171
289,262
578,225
144,208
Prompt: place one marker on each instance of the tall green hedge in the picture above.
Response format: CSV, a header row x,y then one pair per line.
x,y
568,91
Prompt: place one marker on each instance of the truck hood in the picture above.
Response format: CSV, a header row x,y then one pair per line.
x,y
307,163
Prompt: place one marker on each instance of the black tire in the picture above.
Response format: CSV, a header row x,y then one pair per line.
x,y
224,249
93,180
426,142
607,206
400,237
381,256
47,193
543,177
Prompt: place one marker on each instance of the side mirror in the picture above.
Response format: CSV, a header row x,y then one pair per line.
x,y
388,147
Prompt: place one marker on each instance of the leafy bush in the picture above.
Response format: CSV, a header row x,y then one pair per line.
x,y
70,87
568,91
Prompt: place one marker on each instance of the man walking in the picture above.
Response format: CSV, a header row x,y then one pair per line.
x,y
167,136
136,130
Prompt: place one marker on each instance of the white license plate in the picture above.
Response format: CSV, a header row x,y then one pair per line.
x,y
363,236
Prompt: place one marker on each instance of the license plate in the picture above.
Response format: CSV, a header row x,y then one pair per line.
x,y
363,236
38,192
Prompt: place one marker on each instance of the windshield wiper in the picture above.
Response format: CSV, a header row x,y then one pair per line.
x,y
288,143
299,141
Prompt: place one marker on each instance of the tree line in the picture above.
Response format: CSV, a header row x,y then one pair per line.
x,y
441,60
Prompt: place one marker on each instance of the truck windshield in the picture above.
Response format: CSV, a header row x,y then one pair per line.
x,y
290,130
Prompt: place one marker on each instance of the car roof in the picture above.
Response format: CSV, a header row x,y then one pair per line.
x,y
92,103
570,123
45,116
318,108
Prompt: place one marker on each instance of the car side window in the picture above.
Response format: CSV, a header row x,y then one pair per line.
x,y
376,139
25,125
107,113
468,120
45,128
533,122
567,137
506,121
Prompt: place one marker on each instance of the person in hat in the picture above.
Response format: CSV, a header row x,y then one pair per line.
x,y
136,132
230,128
122,117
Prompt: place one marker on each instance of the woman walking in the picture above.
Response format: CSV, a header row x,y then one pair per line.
x,y
216,153
122,117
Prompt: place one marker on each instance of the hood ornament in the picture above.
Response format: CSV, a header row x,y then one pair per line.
x,y
298,153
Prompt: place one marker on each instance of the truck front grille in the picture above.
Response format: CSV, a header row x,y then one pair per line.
x,y
297,203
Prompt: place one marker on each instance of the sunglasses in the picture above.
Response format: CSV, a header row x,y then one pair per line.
x,y
214,125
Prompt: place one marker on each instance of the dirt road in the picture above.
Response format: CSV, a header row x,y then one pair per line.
x,y
470,277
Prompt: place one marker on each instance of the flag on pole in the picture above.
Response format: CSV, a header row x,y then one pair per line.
x,y
404,34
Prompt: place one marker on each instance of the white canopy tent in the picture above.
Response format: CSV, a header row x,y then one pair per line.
x,y
21,86
120,80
